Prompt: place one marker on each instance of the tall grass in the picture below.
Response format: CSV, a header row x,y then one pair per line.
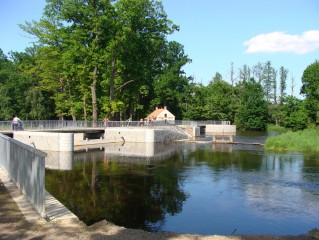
x,y
305,140
276,128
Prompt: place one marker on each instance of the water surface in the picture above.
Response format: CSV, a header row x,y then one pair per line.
x,y
192,188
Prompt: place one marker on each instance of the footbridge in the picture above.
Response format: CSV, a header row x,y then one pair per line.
x,y
76,126
54,135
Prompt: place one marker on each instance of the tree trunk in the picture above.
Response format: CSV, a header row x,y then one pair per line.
x,y
112,80
94,101
84,109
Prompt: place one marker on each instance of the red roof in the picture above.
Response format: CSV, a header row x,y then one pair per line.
x,y
156,113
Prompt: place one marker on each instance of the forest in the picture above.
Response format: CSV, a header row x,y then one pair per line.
x,y
100,58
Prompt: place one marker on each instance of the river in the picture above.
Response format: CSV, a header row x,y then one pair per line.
x,y
192,187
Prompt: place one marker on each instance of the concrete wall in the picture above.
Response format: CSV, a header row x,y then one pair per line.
x,y
221,129
130,149
46,141
191,131
143,135
26,167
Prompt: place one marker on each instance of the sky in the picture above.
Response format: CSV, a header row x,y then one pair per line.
x,y
214,33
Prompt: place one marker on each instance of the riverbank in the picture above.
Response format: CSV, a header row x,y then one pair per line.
x,y
14,225
305,140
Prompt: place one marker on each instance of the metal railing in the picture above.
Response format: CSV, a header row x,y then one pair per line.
x,y
69,124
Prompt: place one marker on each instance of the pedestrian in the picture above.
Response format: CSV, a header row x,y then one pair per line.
x,y
141,122
15,123
105,120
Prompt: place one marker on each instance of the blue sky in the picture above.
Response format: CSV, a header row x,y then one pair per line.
x,y
214,33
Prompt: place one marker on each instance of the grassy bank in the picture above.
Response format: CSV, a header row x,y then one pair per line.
x,y
276,128
307,139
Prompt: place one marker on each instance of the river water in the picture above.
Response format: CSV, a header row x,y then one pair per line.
x,y
188,187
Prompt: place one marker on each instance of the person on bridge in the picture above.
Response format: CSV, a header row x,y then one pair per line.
x,y
15,123
105,120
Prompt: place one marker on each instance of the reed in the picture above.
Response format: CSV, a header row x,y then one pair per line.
x,y
305,140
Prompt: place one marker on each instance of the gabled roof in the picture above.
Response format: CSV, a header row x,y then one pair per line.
x,y
156,113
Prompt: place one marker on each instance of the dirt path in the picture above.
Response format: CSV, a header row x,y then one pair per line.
x,y
13,225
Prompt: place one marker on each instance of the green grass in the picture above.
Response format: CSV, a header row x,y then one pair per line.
x,y
276,128
305,140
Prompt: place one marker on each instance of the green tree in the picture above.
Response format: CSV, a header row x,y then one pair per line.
x,y
141,48
13,87
294,113
268,81
218,101
258,72
106,53
172,86
196,103
283,83
310,89
38,104
252,108
244,73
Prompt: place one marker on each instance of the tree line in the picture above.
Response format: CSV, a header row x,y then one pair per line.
x,y
103,58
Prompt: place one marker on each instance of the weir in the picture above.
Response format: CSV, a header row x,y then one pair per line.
x,y
59,139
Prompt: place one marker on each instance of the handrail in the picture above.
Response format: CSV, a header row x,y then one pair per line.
x,y
70,124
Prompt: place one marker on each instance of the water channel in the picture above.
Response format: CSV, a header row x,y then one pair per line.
x,y
188,187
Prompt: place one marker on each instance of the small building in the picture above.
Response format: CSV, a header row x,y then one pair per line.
x,y
162,114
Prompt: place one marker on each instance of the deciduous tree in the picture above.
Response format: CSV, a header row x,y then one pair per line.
x,y
310,89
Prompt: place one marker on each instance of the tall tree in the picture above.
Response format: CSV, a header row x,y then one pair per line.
x,y
141,50
310,89
218,99
74,27
268,81
283,73
252,110
196,108
258,72
110,51
171,88
274,74
294,114
217,77
244,73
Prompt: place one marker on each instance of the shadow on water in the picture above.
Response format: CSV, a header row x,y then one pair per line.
x,y
199,188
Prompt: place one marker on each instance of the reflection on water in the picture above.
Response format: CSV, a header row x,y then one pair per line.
x,y
59,160
192,188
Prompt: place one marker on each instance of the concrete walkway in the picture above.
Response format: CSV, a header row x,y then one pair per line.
x,y
55,210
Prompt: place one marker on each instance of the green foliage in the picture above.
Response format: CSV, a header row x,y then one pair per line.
x,y
269,81
310,89
276,128
171,87
195,106
217,105
304,140
294,114
252,108
35,104
15,88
